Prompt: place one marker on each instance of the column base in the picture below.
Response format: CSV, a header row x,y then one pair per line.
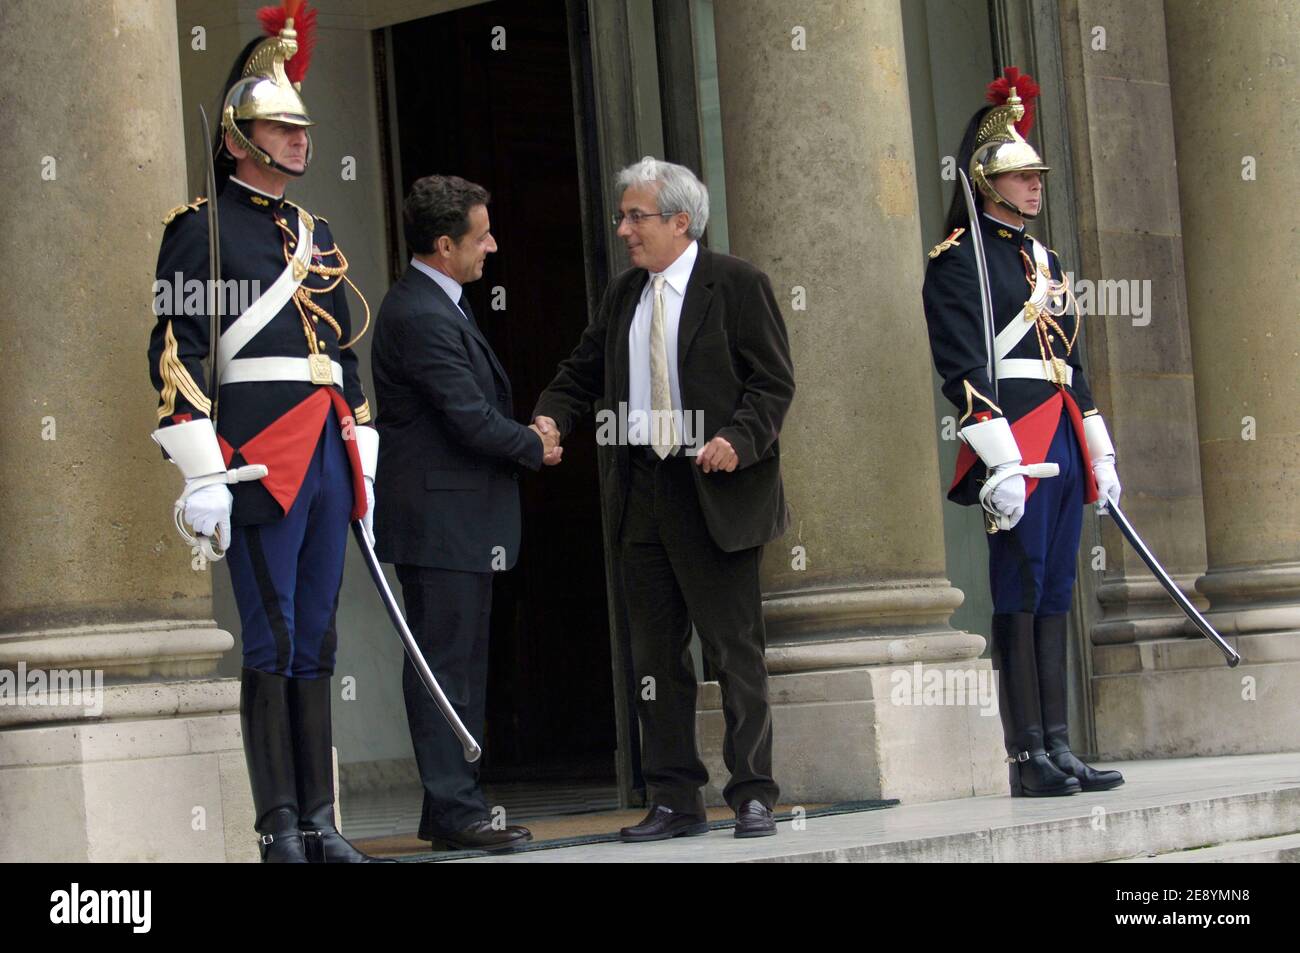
x,y
1176,698
131,771
913,732
1139,610
1253,599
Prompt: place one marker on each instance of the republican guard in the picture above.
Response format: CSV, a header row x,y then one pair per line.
x,y
1019,386
277,456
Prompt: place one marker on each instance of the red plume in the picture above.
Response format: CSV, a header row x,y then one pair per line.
x,y
304,24
1000,90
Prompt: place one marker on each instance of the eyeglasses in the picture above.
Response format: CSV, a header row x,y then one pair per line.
x,y
636,217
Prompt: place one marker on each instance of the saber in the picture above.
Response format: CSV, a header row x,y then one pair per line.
x,y
1125,527
982,271
472,749
214,266
208,544
991,520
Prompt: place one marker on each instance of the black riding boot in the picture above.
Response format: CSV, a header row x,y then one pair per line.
x,y
309,700
1031,773
268,748
1049,640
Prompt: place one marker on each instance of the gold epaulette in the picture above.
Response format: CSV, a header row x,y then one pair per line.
x,y
947,243
191,207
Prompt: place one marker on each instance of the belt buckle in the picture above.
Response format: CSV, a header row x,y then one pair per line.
x,y
322,370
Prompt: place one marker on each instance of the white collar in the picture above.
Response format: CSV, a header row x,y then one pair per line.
x,y
253,188
998,221
446,282
678,274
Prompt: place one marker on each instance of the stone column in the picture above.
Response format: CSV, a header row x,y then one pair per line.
x,y
1131,280
97,588
822,196
1235,110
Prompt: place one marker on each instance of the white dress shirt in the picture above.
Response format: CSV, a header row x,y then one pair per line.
x,y
676,277
446,282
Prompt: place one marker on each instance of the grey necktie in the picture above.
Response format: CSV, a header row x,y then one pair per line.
x,y
663,430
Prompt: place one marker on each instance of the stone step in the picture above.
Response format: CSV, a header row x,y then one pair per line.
x,y
1164,807
1266,850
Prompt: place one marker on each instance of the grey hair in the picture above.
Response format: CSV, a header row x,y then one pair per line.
x,y
679,189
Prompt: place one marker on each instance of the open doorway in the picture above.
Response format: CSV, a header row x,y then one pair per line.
x,y
485,92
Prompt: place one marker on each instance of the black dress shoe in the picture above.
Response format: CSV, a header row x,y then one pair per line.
x,y
754,819
1089,778
481,835
662,823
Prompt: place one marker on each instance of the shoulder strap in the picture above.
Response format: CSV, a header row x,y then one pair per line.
x,y
1019,326
261,311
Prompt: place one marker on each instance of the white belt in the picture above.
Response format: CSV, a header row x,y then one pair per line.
x,y
1032,368
245,370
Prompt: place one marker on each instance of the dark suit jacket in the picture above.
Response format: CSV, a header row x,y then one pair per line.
x,y
446,489
733,363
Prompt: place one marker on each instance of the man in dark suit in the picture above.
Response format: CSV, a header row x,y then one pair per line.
x,y
687,345
449,469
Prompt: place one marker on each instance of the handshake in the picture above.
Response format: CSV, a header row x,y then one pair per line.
x,y
549,434
718,455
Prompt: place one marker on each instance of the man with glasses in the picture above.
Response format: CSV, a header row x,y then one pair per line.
x,y
691,346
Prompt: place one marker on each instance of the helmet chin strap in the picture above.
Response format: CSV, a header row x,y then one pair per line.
x,y
1005,202
263,156
286,170
1027,216
267,160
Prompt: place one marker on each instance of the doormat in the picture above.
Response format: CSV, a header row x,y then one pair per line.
x,y
577,830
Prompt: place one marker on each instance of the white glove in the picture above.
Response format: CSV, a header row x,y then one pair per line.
x,y
1008,497
995,444
207,510
368,521
1102,454
1108,488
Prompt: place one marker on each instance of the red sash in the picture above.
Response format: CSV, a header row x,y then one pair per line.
x,y
1034,432
285,448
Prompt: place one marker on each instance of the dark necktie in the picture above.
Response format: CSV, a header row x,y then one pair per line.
x,y
463,304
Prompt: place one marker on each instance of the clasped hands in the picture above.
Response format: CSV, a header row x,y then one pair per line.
x,y
549,434
717,454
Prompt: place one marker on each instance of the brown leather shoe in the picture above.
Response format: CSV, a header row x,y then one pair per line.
x,y
754,819
662,823
481,835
